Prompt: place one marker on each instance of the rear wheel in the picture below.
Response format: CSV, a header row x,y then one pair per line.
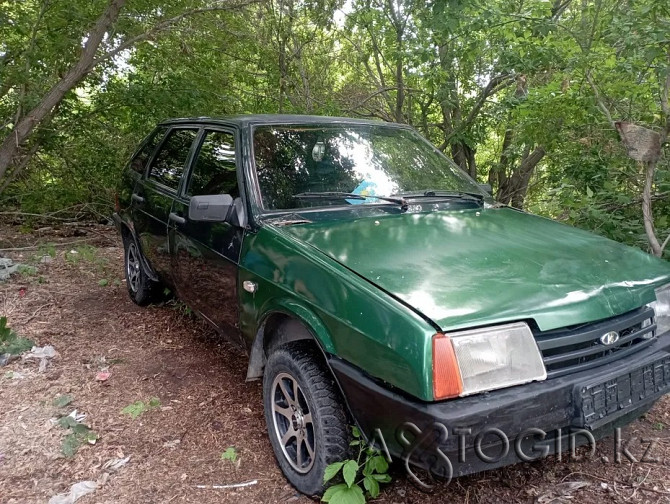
x,y
140,287
305,415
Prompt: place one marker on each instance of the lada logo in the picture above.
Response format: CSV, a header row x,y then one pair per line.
x,y
609,338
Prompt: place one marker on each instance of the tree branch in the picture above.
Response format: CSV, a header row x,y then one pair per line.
x,y
647,214
495,84
599,100
667,240
665,100
223,5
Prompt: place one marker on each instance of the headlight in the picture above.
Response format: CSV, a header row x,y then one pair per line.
x,y
476,360
662,309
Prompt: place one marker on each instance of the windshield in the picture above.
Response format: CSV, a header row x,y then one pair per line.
x,y
368,161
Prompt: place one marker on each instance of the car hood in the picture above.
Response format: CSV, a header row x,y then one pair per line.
x,y
476,267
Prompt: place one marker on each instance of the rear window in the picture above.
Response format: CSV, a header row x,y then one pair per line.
x,y
168,165
139,161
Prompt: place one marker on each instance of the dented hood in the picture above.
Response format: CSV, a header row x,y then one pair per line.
x,y
475,267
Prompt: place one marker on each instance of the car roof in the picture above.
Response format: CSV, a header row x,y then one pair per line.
x,y
278,119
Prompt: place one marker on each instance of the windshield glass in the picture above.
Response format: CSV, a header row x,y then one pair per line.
x,y
363,160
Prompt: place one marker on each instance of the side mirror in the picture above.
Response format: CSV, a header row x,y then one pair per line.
x,y
486,188
210,207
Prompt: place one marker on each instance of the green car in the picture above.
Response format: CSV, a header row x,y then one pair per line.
x,y
375,284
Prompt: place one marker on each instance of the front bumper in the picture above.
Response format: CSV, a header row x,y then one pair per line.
x,y
522,423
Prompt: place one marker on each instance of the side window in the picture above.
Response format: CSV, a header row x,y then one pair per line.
x,y
168,165
214,171
139,162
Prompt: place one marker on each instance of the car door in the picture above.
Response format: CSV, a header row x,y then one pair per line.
x,y
154,195
205,255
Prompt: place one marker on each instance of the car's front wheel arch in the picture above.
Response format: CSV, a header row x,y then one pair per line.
x,y
282,324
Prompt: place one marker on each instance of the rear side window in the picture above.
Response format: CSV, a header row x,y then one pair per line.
x,y
139,162
214,171
168,165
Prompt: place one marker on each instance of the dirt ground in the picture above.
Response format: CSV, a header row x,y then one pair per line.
x,y
78,303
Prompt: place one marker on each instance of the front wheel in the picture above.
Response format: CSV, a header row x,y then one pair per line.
x,y
305,415
140,287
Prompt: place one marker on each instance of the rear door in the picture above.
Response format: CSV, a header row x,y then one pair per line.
x,y
205,255
155,193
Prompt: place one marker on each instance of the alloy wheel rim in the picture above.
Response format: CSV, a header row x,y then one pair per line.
x,y
133,267
292,422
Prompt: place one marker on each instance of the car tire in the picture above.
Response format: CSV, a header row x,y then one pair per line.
x,y
141,288
310,431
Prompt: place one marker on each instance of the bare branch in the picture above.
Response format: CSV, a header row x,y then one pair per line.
x,y
667,240
665,99
599,100
647,214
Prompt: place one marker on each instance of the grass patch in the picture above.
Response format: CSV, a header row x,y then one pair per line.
x,y
230,454
10,342
26,270
139,407
48,249
83,253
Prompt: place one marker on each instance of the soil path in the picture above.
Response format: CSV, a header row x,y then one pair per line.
x,y
78,303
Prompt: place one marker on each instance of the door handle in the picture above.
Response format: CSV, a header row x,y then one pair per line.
x,y
137,198
177,218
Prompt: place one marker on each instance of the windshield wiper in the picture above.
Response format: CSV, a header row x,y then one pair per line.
x,y
345,195
463,195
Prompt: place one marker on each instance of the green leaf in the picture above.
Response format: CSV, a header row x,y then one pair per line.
x,y
62,401
332,470
80,429
229,454
372,486
154,402
347,495
103,283
382,478
356,432
70,445
67,422
135,409
349,472
589,192
380,464
328,495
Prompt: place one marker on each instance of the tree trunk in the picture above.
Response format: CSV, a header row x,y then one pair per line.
x,y
647,214
22,130
515,187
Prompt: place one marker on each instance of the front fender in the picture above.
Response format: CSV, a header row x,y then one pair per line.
x,y
348,316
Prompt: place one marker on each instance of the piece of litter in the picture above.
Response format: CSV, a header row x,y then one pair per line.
x,y
7,358
102,376
604,485
7,267
114,465
76,491
77,417
43,354
221,487
172,443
